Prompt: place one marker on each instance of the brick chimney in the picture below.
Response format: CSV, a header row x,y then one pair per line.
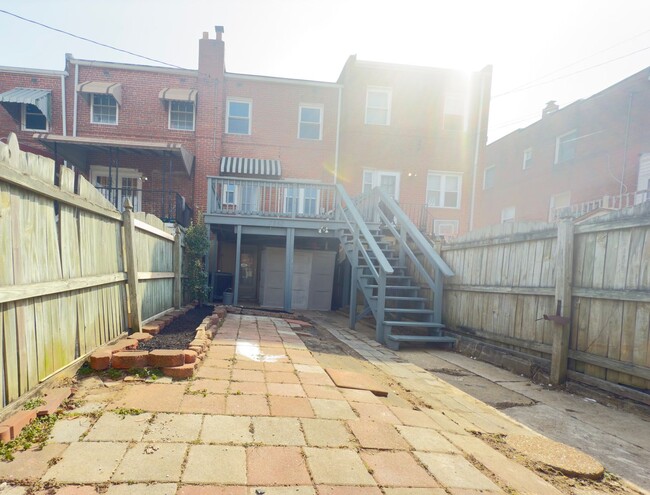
x,y
211,55
551,107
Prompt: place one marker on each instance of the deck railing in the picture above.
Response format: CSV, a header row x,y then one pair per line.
x,y
169,206
616,202
270,198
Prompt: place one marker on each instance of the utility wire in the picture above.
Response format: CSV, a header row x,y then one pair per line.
x,y
87,39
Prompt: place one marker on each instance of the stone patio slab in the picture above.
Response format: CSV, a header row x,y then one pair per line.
x,y
398,469
337,467
276,466
226,429
374,435
119,428
247,405
174,428
75,468
278,431
216,464
454,471
151,462
151,397
332,409
30,464
426,440
68,430
142,489
326,433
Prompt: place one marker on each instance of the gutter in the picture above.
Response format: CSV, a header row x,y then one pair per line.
x,y
76,97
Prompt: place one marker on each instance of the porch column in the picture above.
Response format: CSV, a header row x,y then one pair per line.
x,y
288,271
235,296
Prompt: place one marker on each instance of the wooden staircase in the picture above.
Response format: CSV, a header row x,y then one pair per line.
x,y
381,245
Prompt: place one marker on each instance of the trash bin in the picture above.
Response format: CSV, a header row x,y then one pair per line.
x,y
227,296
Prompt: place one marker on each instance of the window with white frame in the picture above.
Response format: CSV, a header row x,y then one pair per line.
x,y
528,158
310,122
229,195
181,115
445,228
565,147
508,214
301,200
455,113
239,117
489,176
443,190
33,119
378,102
103,109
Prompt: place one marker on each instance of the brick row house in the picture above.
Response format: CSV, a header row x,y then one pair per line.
x,y
261,157
590,156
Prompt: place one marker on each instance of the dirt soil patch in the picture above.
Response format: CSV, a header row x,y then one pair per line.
x,y
179,333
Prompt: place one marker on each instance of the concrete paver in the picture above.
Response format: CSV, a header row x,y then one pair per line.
x,y
151,462
174,428
142,489
376,435
332,409
426,440
454,471
30,464
67,430
278,431
118,428
276,466
153,397
227,429
326,433
74,466
397,469
210,386
208,404
212,490
247,405
216,464
298,407
348,490
337,467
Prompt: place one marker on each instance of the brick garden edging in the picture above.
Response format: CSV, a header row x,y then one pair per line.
x,y
175,363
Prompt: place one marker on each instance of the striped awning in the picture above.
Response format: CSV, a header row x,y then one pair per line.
x,y
250,166
40,98
177,94
102,88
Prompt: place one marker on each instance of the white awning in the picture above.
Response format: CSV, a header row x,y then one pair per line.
x,y
250,166
40,98
178,94
102,88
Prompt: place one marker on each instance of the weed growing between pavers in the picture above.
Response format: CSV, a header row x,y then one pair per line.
x,y
33,403
146,373
35,433
126,411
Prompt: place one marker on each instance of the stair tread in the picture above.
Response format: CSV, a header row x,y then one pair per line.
x,y
413,311
420,338
409,323
403,287
402,298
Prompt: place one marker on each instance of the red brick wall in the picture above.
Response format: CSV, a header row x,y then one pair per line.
x,y
274,127
9,81
415,142
596,170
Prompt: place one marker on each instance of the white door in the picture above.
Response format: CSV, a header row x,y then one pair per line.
x,y
127,184
388,181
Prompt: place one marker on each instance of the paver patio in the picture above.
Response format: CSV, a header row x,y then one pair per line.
x,y
263,415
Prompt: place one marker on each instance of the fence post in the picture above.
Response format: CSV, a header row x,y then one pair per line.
x,y
131,266
563,294
177,263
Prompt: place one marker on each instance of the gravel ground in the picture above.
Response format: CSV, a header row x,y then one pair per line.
x,y
179,333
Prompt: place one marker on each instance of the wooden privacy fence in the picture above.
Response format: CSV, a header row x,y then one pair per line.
x,y
64,259
595,275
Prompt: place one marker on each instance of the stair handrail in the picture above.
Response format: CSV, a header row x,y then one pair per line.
x,y
363,230
406,223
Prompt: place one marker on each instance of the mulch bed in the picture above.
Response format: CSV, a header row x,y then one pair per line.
x,y
179,333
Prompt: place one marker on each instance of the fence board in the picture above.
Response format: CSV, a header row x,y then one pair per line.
x,y
505,280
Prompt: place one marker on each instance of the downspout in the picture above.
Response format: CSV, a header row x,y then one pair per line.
x,y
76,97
338,133
63,105
476,153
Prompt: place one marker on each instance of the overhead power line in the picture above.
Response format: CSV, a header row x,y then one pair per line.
x,y
88,39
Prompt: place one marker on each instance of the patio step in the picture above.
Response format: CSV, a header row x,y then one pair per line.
x,y
393,341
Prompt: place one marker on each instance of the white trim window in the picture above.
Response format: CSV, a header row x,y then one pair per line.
x,y
528,158
103,109
117,185
229,194
508,214
33,119
489,177
445,228
388,181
310,122
565,147
443,190
181,115
302,200
238,119
455,113
378,103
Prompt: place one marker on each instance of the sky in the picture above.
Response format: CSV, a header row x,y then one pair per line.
x,y
540,50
